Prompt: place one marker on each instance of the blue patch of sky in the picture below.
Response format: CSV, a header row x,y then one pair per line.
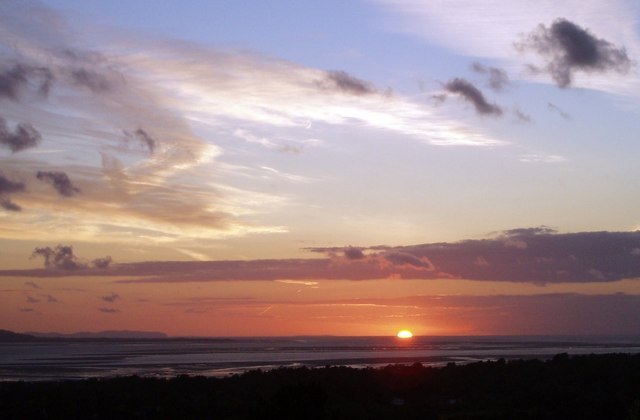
x,y
330,35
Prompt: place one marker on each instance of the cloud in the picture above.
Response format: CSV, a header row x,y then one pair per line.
x,y
491,36
299,282
8,187
405,259
143,137
186,99
534,231
28,310
266,142
346,83
569,48
91,79
110,298
102,262
61,257
559,111
60,181
532,255
353,253
497,78
23,137
15,79
473,95
7,204
544,313
521,116
109,310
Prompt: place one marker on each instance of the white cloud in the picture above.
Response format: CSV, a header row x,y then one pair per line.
x,y
535,157
165,185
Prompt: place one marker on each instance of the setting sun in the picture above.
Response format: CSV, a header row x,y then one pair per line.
x,y
405,334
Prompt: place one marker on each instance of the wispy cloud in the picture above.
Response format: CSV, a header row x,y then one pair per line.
x,y
497,79
553,313
137,118
535,157
521,116
555,108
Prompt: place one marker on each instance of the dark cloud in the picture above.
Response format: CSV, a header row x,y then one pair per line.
x,y
109,310
533,255
145,138
12,81
60,181
497,78
91,70
7,204
539,255
408,260
559,111
27,310
60,257
352,253
521,116
102,262
142,137
540,230
96,82
195,311
570,48
110,298
15,79
344,82
8,187
473,95
23,137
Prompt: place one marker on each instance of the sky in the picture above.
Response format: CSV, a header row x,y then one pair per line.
x,y
327,167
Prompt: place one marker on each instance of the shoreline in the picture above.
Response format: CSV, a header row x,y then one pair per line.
x,y
579,386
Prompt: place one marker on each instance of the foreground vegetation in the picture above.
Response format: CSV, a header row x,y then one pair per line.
x,y
579,387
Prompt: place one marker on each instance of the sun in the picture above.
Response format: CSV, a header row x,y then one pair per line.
x,y
404,334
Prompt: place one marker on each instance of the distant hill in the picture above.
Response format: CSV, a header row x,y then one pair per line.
x,y
124,334
12,337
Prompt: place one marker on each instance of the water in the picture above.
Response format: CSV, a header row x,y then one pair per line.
x,y
79,359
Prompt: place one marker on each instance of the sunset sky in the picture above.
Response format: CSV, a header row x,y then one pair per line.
x,y
258,168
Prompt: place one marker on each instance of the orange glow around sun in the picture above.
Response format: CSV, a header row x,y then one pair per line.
x,y
405,334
